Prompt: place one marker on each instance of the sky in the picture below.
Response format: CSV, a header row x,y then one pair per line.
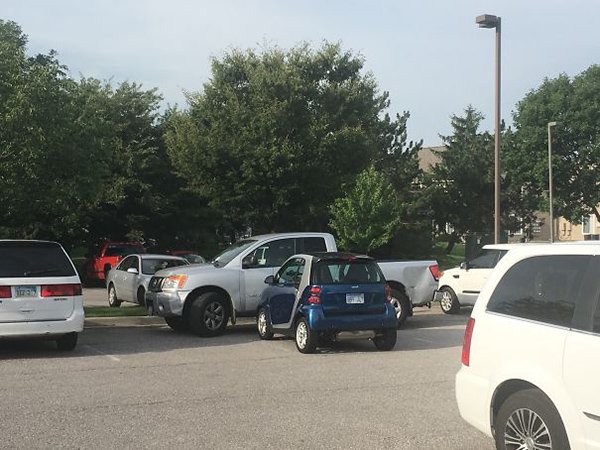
x,y
429,54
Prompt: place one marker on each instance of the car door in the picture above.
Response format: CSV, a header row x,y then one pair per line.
x,y
131,279
120,278
269,257
478,271
581,364
284,291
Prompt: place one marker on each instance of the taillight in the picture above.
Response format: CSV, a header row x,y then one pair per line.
x,y
314,298
5,292
61,290
466,348
388,293
435,271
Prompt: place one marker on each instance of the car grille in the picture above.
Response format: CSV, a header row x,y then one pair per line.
x,y
156,284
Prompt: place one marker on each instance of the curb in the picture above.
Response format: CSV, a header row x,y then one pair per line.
x,y
128,321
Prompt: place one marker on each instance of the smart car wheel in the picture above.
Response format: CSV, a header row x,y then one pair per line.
x,y
113,301
306,340
449,301
386,340
263,325
529,420
208,315
67,342
401,304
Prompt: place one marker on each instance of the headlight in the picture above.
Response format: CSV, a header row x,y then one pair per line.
x,y
174,282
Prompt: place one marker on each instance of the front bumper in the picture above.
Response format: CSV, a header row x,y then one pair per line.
x,y
166,303
72,324
319,322
437,295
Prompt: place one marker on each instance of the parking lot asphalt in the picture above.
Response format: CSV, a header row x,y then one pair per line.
x,y
142,385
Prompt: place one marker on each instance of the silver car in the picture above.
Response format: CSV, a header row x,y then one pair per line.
x,y
128,281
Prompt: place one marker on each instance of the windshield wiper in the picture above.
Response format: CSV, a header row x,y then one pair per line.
x,y
40,272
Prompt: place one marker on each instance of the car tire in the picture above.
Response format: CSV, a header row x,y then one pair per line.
x,y
141,296
67,342
208,315
263,325
107,268
306,339
387,340
449,302
113,300
177,324
518,410
401,304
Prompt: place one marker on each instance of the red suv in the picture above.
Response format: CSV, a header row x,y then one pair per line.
x,y
107,256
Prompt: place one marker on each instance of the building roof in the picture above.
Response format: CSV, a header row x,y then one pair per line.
x,y
428,157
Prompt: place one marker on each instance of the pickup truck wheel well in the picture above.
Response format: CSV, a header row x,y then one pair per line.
x,y
400,288
203,290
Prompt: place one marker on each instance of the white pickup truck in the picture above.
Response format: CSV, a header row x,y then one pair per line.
x,y
205,297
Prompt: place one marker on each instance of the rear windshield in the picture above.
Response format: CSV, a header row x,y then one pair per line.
x,y
151,266
347,272
33,259
123,250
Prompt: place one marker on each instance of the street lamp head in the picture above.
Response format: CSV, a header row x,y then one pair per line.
x,y
552,124
487,21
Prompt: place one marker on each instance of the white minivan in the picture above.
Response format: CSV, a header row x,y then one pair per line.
x,y
530,373
40,293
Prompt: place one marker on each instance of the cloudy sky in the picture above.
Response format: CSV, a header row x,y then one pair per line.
x,y
428,54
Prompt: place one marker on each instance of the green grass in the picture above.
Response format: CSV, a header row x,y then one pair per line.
x,y
447,261
107,311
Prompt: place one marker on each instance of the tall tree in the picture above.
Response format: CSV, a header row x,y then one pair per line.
x,y
275,136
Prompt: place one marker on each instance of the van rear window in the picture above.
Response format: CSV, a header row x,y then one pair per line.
x,y
358,271
31,259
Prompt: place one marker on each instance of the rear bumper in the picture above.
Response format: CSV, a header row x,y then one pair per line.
x,y
319,322
473,400
73,324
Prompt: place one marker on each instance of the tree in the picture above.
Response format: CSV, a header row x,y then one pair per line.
x,y
460,188
275,136
574,104
365,218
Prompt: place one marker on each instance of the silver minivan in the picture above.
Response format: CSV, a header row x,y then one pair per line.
x,y
40,293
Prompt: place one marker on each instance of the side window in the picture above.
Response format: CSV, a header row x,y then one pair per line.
x,y
291,272
486,260
275,253
541,288
127,263
311,245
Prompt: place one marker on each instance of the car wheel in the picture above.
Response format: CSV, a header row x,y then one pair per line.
x,y
141,296
401,304
107,268
528,419
263,325
449,302
306,340
177,324
113,301
67,342
208,315
386,341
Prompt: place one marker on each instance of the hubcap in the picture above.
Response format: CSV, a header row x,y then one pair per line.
x,y
525,430
111,296
446,301
301,335
214,314
397,306
262,323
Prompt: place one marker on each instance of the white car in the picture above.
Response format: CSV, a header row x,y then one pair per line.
x,y
40,293
128,280
531,352
461,286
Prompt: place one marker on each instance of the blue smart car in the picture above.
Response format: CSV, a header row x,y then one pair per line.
x,y
323,297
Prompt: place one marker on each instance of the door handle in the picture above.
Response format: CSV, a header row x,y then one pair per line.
x,y
456,276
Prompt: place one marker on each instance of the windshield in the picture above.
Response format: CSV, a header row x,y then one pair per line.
x,y
232,251
151,266
34,259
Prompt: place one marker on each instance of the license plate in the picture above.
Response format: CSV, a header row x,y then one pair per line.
x,y
353,299
25,291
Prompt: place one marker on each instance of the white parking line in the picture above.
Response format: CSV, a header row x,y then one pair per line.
x,y
111,357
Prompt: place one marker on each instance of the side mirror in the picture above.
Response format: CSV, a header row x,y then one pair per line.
x,y
249,261
464,265
270,280
132,270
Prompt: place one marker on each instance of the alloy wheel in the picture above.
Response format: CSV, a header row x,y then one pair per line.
x,y
301,335
446,301
526,430
262,323
214,314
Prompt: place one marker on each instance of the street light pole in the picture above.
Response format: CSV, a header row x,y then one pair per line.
x,y
489,21
550,197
